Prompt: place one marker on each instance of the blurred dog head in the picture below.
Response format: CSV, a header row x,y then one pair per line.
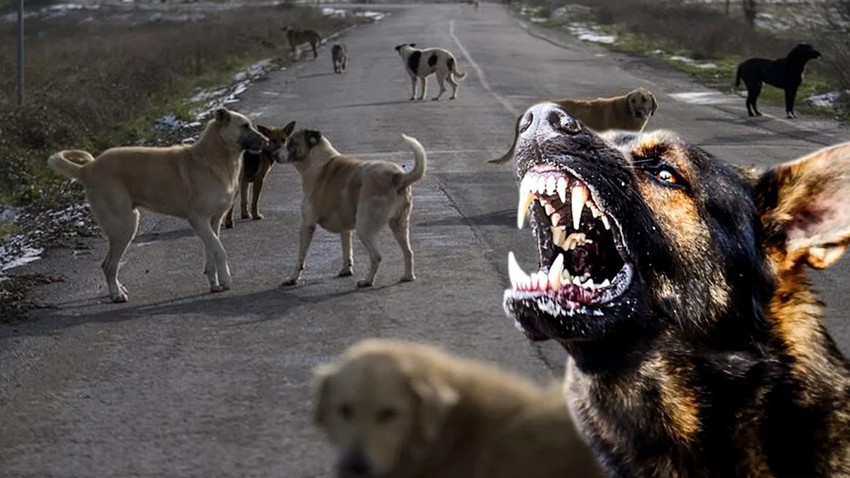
x,y
642,103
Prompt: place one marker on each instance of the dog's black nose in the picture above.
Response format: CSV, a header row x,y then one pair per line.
x,y
356,463
549,118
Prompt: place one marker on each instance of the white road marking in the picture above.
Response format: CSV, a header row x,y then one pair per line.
x,y
482,78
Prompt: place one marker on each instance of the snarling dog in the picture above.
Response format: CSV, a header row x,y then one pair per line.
x,y
785,73
629,112
408,410
339,56
255,168
419,64
298,37
195,182
344,194
677,285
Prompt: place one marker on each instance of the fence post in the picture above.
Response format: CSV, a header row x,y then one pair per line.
x,y
20,52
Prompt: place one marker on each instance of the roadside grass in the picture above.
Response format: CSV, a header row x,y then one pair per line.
x,y
704,34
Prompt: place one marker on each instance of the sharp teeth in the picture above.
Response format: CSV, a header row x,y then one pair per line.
x,y
541,185
555,272
526,197
517,275
558,235
594,211
556,219
605,283
550,185
588,284
566,278
562,189
542,281
576,281
579,197
549,208
604,220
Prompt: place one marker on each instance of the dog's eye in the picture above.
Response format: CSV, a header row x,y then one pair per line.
x,y
346,412
386,415
667,176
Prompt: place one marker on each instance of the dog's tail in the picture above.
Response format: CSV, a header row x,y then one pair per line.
x,y
452,64
738,76
418,170
70,162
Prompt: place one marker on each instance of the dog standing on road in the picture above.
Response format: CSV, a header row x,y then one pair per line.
x,y
419,64
196,182
785,73
298,37
344,194
629,112
694,272
408,410
339,56
255,168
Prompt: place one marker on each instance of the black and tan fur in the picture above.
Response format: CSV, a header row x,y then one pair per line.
x,y
255,168
785,73
406,410
628,112
298,37
339,56
715,360
419,64
344,194
195,182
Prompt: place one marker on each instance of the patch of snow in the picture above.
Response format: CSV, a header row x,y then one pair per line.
x,y
702,98
9,213
375,16
333,12
826,100
21,249
683,59
691,61
538,19
586,34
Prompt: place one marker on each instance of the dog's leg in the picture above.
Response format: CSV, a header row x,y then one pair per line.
x,y
243,203
452,82
216,268
412,87
370,218
424,88
257,189
228,222
315,55
790,97
401,230
753,92
347,256
440,82
119,224
304,240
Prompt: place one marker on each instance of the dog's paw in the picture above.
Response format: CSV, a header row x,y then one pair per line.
x,y
411,98
406,278
363,283
453,97
120,298
218,288
436,98
246,215
228,225
289,282
257,216
346,272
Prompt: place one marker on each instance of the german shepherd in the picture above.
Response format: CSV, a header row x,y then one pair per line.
x,y
255,168
677,285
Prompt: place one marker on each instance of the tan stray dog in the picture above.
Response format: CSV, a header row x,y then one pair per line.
x,y
195,182
403,410
629,112
298,37
419,64
339,56
343,194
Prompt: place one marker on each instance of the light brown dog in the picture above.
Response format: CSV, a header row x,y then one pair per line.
x,y
629,112
403,410
195,182
343,194
298,37
255,168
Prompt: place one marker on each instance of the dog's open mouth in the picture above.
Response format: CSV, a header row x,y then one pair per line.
x,y
583,259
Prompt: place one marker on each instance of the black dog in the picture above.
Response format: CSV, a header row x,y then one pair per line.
x,y
785,73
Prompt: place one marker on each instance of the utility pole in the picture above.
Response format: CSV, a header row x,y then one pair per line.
x,y
20,52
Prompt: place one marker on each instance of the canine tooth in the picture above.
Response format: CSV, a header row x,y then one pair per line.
x,y
541,185
542,281
562,189
556,218
550,185
555,272
526,197
579,197
558,234
605,283
588,284
549,208
576,281
566,278
517,275
594,211
604,220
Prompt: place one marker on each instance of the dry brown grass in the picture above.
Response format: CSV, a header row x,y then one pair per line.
x,y
95,84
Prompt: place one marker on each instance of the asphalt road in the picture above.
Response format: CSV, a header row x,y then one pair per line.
x,y
182,383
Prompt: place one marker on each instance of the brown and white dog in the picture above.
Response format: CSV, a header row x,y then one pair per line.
x,y
195,182
345,194
255,168
419,64
629,112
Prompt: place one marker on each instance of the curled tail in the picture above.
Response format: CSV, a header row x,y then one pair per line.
x,y
738,76
452,64
70,162
418,170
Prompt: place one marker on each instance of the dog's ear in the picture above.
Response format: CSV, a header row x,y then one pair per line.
x,y
289,128
320,387
313,137
436,401
412,45
265,130
804,207
222,116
